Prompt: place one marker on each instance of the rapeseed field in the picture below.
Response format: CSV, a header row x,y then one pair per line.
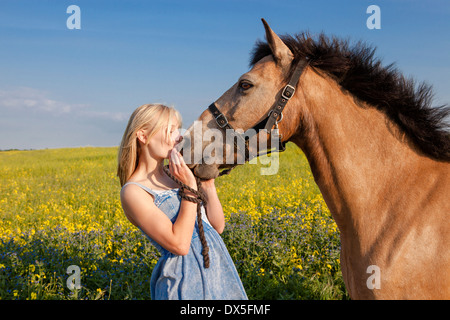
x,y
61,208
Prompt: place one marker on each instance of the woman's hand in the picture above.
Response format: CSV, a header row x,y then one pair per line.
x,y
180,170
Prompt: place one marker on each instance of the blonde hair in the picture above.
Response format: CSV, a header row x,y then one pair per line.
x,y
149,117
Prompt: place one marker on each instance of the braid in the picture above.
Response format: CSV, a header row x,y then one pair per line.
x,y
201,198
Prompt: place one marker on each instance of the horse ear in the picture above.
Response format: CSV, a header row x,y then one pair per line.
x,y
281,53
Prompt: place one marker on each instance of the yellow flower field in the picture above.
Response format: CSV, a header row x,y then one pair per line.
x,y
61,207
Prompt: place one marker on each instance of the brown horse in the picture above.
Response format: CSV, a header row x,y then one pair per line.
x,y
378,152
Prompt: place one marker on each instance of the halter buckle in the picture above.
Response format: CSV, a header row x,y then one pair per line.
x,y
222,122
288,92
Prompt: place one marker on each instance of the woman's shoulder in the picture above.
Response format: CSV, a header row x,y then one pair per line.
x,y
133,189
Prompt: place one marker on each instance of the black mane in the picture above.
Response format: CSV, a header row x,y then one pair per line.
x,y
357,71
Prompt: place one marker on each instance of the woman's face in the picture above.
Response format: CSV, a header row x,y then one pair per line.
x,y
159,147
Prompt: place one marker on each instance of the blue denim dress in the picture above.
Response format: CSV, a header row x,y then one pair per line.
x,y
184,277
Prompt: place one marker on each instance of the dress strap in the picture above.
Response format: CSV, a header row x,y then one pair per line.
x,y
153,193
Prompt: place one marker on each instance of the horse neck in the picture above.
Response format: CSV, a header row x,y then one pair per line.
x,y
358,158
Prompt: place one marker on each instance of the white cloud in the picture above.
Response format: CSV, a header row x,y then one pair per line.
x,y
103,115
31,118
23,99
29,99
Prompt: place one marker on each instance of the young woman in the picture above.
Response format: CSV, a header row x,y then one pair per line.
x,y
151,202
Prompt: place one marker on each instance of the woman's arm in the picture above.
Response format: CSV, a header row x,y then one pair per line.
x,y
140,209
213,207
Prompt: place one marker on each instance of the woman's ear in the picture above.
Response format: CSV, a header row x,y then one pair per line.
x,y
142,136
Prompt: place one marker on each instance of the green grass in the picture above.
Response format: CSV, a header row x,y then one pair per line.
x,y
61,207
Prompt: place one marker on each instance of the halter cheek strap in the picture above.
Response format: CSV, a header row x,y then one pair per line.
x,y
286,95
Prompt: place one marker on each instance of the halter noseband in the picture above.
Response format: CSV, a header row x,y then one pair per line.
x,y
268,122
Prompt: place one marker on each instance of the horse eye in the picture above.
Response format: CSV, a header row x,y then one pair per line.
x,y
245,85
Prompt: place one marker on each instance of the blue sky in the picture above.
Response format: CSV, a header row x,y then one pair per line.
x,y
70,88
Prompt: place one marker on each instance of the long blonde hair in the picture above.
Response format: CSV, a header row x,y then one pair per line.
x,y
150,117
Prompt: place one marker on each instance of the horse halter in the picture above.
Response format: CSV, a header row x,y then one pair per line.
x,y
268,122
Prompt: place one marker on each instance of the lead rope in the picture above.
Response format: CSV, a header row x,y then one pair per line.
x,y
199,200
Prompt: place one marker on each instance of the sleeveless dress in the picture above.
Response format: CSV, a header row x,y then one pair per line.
x,y
184,277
